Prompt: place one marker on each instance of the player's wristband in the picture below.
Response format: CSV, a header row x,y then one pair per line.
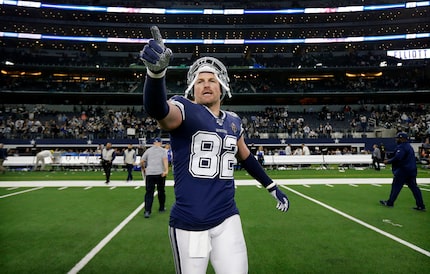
x,y
155,98
254,169
156,75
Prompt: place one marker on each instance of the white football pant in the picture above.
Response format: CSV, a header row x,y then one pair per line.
x,y
224,245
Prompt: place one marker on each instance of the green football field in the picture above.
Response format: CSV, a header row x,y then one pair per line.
x,y
335,224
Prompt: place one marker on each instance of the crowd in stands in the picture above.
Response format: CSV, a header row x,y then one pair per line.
x,y
415,120
89,123
48,84
242,84
397,78
334,84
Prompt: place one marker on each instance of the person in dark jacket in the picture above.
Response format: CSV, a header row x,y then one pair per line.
x,y
404,169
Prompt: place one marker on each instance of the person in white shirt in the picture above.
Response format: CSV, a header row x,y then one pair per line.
x,y
288,150
376,157
305,150
108,155
298,151
129,161
40,159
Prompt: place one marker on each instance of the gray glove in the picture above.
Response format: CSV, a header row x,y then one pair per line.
x,y
155,55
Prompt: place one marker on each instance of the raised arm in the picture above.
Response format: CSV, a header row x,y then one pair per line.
x,y
156,57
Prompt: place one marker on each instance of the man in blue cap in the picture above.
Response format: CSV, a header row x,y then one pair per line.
x,y
404,169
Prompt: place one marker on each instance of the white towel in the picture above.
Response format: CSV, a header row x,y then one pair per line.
x,y
199,245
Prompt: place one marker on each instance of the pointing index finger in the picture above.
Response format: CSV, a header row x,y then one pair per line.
x,y
157,35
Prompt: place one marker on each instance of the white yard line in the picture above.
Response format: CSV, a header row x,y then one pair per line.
x,y
397,239
12,188
83,262
20,192
120,183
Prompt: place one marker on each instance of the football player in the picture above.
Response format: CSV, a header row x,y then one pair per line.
x,y
207,142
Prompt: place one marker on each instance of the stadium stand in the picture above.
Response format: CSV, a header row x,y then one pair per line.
x,y
320,73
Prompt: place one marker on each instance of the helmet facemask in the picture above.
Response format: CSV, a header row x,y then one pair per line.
x,y
208,64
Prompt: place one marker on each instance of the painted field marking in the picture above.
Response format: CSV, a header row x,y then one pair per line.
x,y
83,262
12,188
388,221
20,192
386,234
119,183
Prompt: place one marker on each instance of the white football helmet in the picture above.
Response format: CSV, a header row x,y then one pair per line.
x,y
208,64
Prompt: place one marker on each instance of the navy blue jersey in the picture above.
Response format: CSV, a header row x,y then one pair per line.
x,y
204,148
404,162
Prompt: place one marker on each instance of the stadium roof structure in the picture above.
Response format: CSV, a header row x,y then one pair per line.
x,y
294,42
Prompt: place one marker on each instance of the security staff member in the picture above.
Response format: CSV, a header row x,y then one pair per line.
x,y
108,155
129,161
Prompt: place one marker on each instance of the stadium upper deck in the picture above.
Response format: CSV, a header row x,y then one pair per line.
x,y
290,46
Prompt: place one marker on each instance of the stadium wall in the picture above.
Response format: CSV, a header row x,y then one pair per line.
x,y
361,145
